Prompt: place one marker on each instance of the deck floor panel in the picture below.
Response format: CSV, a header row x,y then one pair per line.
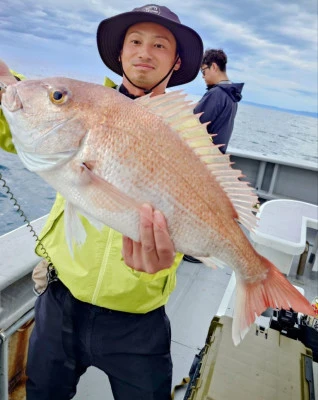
x,y
195,301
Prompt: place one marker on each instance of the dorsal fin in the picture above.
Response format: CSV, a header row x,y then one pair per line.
x,y
178,114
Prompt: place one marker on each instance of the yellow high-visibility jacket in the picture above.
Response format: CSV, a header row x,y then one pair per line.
x,y
96,273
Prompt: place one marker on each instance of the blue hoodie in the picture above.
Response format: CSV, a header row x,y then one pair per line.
x,y
219,105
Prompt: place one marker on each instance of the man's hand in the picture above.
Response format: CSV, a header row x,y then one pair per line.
x,y
6,78
155,251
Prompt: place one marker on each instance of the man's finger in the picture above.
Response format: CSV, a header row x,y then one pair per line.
x,y
164,244
6,78
127,248
146,229
138,261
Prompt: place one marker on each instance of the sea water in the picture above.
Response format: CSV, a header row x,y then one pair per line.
x,y
267,132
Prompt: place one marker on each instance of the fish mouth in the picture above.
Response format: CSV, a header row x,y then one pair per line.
x,y
11,99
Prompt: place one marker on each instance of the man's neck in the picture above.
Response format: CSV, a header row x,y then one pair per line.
x,y
222,76
135,92
132,90
122,89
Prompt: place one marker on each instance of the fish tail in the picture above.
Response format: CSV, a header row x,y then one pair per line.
x,y
253,298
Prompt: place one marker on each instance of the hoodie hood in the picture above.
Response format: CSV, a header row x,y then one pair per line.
x,y
233,90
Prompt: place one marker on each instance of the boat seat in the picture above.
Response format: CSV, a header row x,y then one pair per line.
x,y
281,233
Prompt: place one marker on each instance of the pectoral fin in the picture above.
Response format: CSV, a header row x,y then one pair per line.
x,y
118,201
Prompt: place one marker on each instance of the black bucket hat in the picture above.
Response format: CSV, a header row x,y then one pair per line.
x,y
111,34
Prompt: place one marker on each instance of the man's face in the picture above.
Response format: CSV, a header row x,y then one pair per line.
x,y
209,73
149,52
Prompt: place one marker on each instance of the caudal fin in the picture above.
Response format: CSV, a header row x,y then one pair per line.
x,y
254,298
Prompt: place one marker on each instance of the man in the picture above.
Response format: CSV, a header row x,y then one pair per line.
x,y
219,103
107,308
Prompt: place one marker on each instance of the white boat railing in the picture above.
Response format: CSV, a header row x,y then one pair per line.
x,y
16,296
275,178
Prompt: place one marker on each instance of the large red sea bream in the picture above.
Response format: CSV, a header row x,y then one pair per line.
x,y
107,155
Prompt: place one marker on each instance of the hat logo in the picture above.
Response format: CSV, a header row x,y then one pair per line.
x,y
152,9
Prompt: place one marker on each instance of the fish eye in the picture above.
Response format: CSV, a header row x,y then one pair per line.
x,y
58,96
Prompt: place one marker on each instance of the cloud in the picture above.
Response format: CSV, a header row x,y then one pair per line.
x,y
271,46
254,40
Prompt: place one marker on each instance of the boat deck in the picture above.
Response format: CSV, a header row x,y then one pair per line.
x,y
201,293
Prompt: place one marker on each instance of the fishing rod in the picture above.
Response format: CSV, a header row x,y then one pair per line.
x,y
51,271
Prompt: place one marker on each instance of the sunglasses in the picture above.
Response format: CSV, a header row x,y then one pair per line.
x,y
203,70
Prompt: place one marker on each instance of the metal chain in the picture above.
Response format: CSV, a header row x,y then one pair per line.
x,y
51,271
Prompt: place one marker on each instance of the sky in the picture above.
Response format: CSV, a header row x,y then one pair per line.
x,y
271,45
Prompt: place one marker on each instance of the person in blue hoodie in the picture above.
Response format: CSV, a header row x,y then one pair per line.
x,y
219,103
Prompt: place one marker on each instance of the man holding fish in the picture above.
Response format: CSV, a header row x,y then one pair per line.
x,y
108,155
107,307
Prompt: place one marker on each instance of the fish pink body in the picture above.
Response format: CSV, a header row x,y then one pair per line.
x,y
107,155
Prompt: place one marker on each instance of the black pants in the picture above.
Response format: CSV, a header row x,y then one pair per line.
x,y
69,336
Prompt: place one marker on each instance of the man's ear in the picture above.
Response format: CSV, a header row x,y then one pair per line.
x,y
177,65
214,66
